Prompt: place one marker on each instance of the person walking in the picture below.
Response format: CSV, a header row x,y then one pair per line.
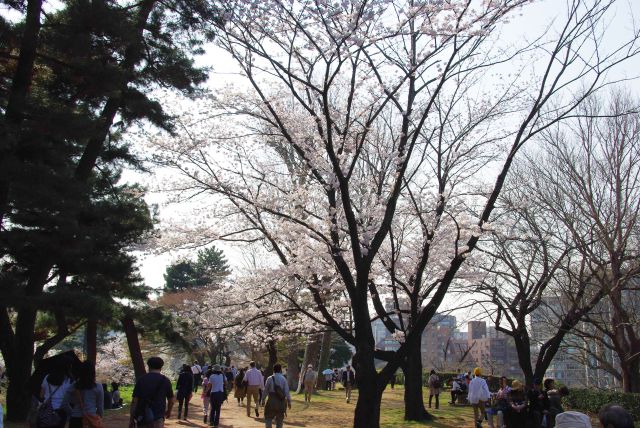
x,y
196,369
434,388
152,392
478,394
254,382
206,400
310,377
328,377
217,392
278,398
84,399
229,377
52,391
184,390
456,389
348,379
240,387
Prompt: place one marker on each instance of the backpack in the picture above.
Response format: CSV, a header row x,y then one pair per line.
x,y
277,389
46,415
143,414
436,383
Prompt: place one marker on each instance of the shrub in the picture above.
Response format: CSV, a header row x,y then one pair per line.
x,y
590,400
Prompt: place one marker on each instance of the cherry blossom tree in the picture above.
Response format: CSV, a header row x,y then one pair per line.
x,y
388,107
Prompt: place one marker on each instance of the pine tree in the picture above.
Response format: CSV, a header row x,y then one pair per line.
x,y
74,80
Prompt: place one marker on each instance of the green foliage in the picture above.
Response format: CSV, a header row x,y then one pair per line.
x,y
591,400
89,56
210,267
340,352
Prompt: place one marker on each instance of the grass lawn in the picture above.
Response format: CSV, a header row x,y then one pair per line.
x,y
329,409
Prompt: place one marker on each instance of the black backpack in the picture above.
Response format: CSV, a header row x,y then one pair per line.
x,y
143,414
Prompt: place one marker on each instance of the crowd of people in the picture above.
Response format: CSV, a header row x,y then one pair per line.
x,y
216,384
77,399
538,405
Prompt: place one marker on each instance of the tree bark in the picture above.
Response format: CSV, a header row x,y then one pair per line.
x,y
367,412
91,340
272,349
311,353
523,349
413,397
134,346
325,353
19,371
293,366
631,376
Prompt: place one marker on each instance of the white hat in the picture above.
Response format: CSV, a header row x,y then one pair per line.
x,y
573,420
310,366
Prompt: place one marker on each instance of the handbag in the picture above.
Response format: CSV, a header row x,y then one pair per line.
x,y
47,416
89,420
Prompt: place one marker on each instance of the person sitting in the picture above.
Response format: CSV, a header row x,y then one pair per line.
x,y
115,395
108,398
615,416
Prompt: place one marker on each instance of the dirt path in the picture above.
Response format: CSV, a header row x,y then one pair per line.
x,y
315,415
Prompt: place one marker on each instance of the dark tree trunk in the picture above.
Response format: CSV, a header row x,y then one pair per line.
x,y
524,357
131,332
293,365
367,413
631,376
19,371
91,340
413,397
311,353
272,350
325,353
18,394
227,359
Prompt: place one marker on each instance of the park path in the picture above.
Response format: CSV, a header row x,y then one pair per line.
x,y
232,416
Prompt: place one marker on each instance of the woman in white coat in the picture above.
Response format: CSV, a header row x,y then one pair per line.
x,y
478,394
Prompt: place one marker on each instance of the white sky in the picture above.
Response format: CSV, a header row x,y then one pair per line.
x,y
536,17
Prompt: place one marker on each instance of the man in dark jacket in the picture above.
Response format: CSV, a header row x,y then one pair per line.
x,y
348,380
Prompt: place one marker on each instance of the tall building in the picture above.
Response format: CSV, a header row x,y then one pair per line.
x,y
572,365
435,341
444,348
489,349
